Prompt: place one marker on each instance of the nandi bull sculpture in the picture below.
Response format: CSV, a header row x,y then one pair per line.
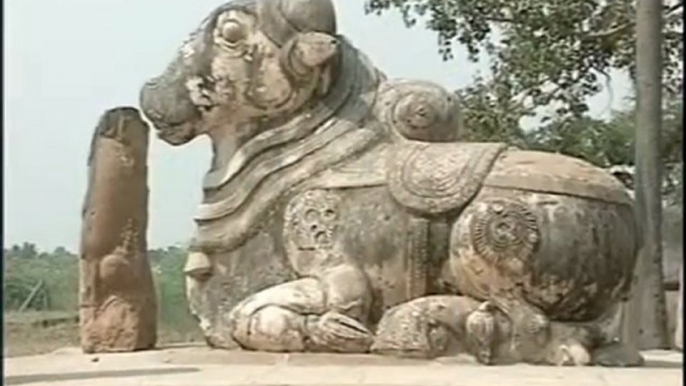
x,y
341,213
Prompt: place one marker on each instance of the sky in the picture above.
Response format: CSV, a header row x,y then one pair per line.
x,y
68,61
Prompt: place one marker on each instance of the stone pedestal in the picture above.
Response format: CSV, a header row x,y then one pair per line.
x,y
118,311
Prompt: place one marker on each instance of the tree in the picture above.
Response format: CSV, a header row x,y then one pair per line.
x,y
648,300
489,113
24,251
611,142
553,53
593,140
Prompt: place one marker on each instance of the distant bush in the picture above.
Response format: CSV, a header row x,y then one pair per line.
x,y
25,266
59,274
170,287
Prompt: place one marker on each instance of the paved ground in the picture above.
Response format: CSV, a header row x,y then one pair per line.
x,y
200,366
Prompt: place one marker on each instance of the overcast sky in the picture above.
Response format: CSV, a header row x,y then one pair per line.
x,y
67,61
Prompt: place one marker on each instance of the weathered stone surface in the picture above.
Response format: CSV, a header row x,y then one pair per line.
x,y
117,298
341,215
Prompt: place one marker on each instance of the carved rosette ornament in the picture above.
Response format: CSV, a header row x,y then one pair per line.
x,y
310,220
418,110
503,231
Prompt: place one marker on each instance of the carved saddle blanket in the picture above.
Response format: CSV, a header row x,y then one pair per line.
x,y
436,178
427,178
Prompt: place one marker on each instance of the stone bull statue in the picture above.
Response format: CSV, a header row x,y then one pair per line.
x,y
342,214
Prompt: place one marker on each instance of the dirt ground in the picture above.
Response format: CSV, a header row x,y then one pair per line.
x,y
202,366
25,339
38,355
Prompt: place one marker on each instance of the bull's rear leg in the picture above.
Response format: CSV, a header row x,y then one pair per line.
x,y
310,314
611,351
530,329
426,327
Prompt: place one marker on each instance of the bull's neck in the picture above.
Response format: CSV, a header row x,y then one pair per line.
x,y
226,143
248,178
236,147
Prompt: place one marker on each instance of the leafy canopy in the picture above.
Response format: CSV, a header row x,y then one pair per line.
x,y
545,52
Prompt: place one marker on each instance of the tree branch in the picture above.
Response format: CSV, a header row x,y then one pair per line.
x,y
610,32
497,19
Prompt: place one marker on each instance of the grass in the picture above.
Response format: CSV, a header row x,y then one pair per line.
x,y
25,335
22,339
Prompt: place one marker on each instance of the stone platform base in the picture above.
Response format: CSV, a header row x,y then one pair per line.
x,y
201,366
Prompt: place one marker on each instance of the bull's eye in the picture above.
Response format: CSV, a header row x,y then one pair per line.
x,y
233,32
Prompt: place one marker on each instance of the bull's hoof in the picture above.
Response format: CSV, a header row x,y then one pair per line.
x,y
338,333
617,355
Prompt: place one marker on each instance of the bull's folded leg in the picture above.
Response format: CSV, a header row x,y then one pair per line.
x,y
493,338
530,328
310,314
336,332
426,327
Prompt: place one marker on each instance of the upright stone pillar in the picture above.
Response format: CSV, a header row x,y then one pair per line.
x,y
118,308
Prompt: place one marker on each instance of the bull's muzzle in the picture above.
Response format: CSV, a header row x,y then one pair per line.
x,y
166,102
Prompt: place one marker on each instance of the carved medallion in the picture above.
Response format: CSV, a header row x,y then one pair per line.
x,y
419,110
504,230
311,220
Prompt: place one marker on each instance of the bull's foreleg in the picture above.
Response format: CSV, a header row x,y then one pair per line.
x,y
327,309
325,313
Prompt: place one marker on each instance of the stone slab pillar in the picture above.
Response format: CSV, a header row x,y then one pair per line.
x,y
118,308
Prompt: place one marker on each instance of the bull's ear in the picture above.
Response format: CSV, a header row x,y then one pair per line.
x,y
306,54
316,49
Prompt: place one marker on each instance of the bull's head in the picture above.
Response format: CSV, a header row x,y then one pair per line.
x,y
250,61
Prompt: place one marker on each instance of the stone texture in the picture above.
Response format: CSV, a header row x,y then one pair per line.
x,y
205,367
116,295
341,215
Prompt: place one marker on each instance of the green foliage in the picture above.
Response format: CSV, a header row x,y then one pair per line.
x,y
607,143
545,52
167,265
23,271
599,142
25,266
490,114
25,251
